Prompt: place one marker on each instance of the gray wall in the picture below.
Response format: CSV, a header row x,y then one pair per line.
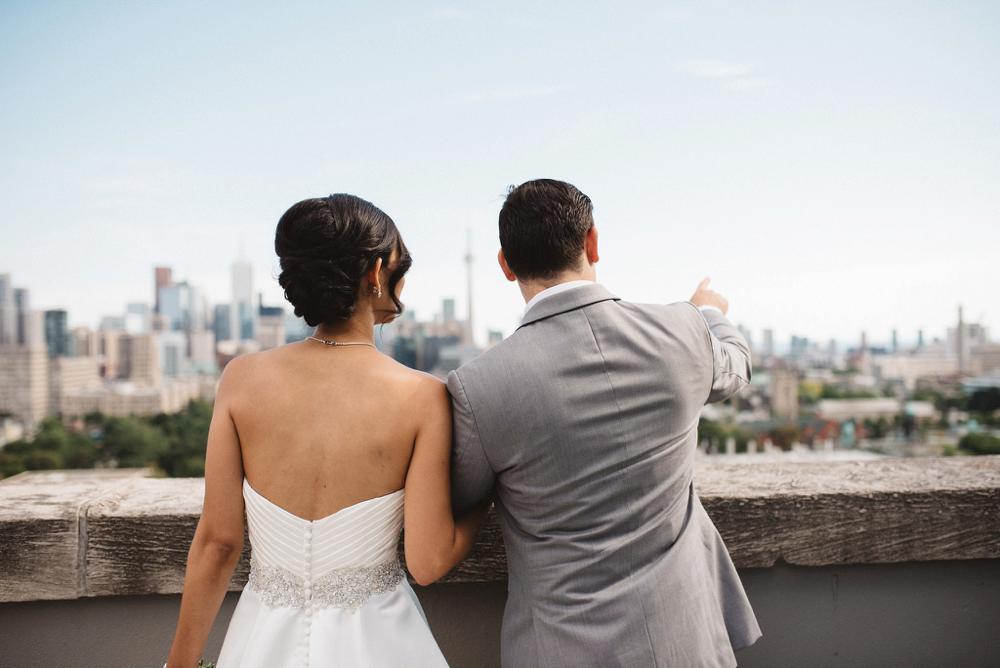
x,y
941,613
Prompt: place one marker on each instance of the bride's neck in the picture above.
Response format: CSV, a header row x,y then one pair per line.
x,y
360,327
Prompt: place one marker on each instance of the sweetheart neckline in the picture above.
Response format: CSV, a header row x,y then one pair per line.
x,y
246,483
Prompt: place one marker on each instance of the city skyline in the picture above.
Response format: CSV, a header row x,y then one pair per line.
x,y
765,340
828,186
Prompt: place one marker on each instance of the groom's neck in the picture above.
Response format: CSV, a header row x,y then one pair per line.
x,y
532,287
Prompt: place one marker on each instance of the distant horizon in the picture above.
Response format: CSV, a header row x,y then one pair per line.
x,y
832,167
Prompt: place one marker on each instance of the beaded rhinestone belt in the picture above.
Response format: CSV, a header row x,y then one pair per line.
x,y
342,588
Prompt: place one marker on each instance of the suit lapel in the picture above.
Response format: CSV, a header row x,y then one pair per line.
x,y
570,300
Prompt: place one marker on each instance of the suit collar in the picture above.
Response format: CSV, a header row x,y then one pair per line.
x,y
569,300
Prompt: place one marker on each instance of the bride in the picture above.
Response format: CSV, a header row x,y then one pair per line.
x,y
328,448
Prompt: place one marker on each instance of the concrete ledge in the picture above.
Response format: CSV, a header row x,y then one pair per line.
x,y
66,535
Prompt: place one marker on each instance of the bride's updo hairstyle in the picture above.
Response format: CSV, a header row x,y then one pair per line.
x,y
326,246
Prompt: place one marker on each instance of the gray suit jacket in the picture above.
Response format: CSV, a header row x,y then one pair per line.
x,y
584,421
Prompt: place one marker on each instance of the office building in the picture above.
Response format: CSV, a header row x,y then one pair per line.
x,y
24,382
138,318
162,278
71,374
221,325
243,310
139,359
8,312
270,327
57,338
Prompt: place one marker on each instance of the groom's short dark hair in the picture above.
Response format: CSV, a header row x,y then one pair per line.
x,y
543,224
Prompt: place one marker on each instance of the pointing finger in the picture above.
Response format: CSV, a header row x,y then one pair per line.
x,y
704,283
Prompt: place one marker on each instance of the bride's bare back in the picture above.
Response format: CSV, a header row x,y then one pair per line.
x,y
315,429
321,428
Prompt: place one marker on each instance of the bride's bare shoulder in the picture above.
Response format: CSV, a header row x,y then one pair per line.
x,y
247,371
412,380
416,394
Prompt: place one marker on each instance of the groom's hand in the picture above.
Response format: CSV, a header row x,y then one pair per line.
x,y
704,297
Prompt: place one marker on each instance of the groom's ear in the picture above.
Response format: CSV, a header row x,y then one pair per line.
x,y
590,245
505,267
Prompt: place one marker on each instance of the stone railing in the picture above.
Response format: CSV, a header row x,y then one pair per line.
x,y
68,534
876,563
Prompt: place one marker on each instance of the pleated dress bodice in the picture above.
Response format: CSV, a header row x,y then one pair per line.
x,y
334,560
327,592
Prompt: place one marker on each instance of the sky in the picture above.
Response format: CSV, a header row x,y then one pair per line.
x,y
833,167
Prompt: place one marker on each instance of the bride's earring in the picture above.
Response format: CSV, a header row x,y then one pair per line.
x,y
377,291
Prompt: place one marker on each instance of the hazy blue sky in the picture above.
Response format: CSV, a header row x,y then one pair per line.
x,y
832,166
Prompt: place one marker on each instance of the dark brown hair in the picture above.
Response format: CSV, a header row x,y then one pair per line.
x,y
326,246
543,224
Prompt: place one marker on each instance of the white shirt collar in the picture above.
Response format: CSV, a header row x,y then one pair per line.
x,y
554,290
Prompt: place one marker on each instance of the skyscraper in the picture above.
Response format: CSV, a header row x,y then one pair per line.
x,y
24,383
22,307
162,277
243,312
139,356
111,323
85,342
768,348
270,327
202,345
221,322
8,311
137,318
448,309
172,353
57,337
183,307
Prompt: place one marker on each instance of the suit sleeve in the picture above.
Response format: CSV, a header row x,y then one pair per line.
x,y
472,477
731,365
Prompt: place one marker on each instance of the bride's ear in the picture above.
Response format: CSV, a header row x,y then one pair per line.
x,y
374,280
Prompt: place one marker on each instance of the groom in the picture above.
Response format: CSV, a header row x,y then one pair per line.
x,y
584,424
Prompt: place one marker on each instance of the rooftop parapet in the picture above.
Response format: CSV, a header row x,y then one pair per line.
x,y
73,534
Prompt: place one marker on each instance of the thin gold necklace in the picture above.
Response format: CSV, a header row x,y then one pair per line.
x,y
332,342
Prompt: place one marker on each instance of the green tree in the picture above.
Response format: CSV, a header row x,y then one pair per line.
x,y
43,460
10,463
51,435
174,442
984,401
810,391
131,441
980,443
835,392
713,432
187,435
95,419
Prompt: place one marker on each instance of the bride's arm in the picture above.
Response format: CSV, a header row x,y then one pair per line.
x,y
218,540
434,540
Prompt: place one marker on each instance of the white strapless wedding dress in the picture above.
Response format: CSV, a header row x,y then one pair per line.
x,y
327,592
